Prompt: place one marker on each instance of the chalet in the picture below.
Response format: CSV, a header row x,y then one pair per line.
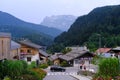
x,y
32,52
77,57
24,50
74,57
5,42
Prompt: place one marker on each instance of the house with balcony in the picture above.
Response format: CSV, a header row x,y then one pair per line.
x,y
30,51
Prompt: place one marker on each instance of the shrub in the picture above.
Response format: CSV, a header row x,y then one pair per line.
x,y
6,78
10,68
49,62
18,70
108,67
64,64
29,77
43,66
32,65
39,73
25,65
15,68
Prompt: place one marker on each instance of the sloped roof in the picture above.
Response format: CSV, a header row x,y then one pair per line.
x,y
28,43
53,57
43,53
14,45
103,50
5,34
117,48
72,55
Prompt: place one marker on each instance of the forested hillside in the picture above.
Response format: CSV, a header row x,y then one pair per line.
x,y
100,25
19,29
21,33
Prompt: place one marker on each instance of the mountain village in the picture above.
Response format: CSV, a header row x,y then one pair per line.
x,y
76,61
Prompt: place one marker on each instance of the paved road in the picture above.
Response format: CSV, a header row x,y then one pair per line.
x,y
60,75
65,75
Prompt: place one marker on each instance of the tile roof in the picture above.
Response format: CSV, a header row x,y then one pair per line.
x,y
102,50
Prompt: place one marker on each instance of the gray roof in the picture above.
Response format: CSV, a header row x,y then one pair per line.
x,y
14,45
28,43
117,48
54,57
5,34
43,53
72,55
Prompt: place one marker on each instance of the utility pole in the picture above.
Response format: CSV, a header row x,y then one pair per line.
x,y
99,41
99,35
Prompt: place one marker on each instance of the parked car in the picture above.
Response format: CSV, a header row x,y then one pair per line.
x,y
57,68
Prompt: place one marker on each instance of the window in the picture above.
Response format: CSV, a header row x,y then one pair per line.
x,y
28,51
29,59
21,51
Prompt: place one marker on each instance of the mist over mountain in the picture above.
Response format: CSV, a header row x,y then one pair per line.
x,y
62,22
20,29
7,19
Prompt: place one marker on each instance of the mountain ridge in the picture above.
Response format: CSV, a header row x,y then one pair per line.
x,y
8,19
102,20
62,22
20,29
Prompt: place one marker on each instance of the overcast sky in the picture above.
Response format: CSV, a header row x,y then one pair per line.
x,y
35,10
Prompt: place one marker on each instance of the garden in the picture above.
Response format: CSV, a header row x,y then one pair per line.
x,y
20,70
109,69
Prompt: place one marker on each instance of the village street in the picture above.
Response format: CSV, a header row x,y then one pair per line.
x,y
67,74
61,75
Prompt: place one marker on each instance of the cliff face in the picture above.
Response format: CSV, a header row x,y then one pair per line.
x,y
62,22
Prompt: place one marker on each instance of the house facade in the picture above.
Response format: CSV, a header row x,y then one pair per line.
x,y
29,51
77,56
115,52
55,58
23,50
5,42
15,50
